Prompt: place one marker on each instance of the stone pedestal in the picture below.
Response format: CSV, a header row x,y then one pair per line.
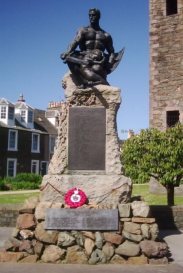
x,y
87,152
110,228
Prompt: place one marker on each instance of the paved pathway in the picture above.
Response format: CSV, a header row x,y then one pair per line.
x,y
5,233
59,268
174,239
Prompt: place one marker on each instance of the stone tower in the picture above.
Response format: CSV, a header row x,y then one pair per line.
x,y
166,63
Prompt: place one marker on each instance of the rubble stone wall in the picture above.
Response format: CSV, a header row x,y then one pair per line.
x,y
135,242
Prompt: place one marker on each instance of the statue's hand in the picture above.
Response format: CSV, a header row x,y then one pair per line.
x,y
90,61
64,55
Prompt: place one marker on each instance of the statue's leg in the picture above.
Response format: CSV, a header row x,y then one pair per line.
x,y
76,74
83,75
92,77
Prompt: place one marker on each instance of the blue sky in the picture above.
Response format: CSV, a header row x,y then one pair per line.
x,y
33,33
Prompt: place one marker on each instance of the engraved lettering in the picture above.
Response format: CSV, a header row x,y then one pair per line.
x,y
81,219
86,141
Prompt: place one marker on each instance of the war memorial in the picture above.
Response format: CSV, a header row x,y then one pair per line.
x,y
85,213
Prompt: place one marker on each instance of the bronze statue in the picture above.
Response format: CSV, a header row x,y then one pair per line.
x,y
95,58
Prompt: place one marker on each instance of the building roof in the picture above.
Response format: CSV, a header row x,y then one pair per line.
x,y
23,105
42,123
4,101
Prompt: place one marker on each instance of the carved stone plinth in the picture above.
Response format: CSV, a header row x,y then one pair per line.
x,y
87,153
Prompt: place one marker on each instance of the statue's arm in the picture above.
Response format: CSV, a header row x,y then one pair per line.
x,y
74,44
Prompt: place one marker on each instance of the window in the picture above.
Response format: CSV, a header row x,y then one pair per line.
x,y
3,112
30,116
171,7
12,140
35,143
172,117
11,113
44,167
11,167
52,144
23,115
35,166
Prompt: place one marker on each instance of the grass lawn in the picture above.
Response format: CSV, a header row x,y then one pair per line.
x,y
16,198
153,199
138,189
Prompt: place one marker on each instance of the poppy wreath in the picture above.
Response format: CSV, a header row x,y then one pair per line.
x,y
75,198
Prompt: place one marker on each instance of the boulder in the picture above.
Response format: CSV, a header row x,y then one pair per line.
x,y
89,234
53,254
145,231
117,259
140,209
108,250
132,228
41,208
26,246
26,221
124,210
132,237
75,256
99,240
38,247
153,249
113,238
128,249
163,260
137,260
11,256
97,257
26,234
29,259
45,236
12,244
89,246
140,220
79,238
65,239
154,230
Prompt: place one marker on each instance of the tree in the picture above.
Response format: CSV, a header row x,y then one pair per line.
x,y
157,154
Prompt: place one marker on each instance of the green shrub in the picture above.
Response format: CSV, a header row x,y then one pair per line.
x,y
24,185
2,186
22,181
8,179
28,177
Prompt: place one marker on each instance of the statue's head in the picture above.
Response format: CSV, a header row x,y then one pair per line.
x,y
94,12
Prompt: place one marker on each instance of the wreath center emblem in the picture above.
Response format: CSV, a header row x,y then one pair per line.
x,y
75,198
